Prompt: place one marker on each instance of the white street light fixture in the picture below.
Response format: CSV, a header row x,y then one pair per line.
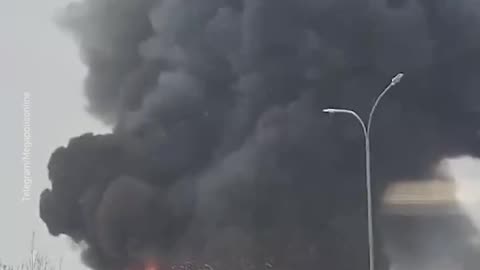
x,y
366,133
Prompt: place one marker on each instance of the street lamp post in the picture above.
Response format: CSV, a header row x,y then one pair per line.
x,y
366,133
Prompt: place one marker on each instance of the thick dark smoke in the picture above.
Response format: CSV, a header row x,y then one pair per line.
x,y
220,152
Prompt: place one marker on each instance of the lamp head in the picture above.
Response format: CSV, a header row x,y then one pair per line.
x,y
329,110
397,78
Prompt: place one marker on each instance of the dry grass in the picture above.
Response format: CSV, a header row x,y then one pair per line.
x,y
40,263
37,262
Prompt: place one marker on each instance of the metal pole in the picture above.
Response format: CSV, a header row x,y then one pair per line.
x,y
366,133
371,250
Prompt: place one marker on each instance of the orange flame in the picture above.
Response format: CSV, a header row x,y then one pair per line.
x,y
152,265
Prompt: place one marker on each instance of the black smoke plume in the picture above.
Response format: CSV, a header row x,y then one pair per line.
x,y
220,152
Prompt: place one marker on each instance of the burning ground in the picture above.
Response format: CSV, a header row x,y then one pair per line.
x,y
219,150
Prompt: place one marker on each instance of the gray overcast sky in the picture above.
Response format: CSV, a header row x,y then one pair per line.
x,y
36,57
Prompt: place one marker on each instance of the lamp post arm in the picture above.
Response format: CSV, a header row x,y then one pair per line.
x,y
354,114
394,81
364,128
374,107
